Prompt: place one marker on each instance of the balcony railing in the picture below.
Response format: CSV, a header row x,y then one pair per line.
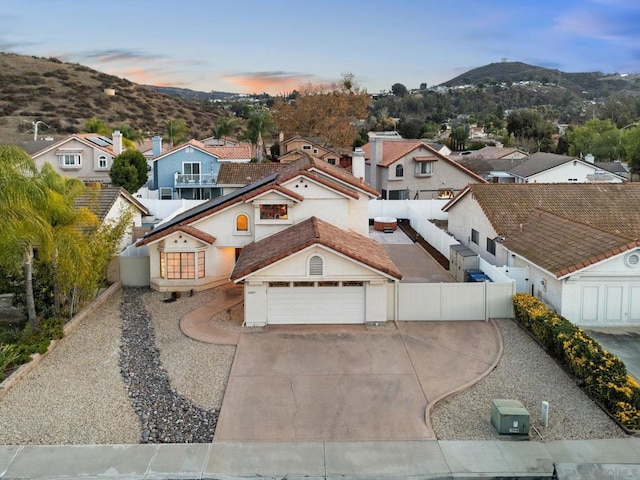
x,y
183,180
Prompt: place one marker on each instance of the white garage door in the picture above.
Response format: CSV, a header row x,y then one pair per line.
x,y
315,302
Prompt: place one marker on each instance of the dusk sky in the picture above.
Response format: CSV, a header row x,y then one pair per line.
x,y
274,46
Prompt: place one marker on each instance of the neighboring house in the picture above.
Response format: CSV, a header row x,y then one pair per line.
x,y
86,156
489,152
544,167
297,239
109,204
233,176
296,147
411,169
440,148
189,171
493,170
579,243
219,142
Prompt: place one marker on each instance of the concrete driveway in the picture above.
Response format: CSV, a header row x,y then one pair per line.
x,y
350,383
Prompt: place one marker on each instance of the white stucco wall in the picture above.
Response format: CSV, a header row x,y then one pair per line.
x,y
119,207
466,215
568,172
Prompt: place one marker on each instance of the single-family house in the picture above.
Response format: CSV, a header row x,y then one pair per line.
x,y
298,146
86,156
109,204
189,171
544,167
411,169
579,244
495,152
297,239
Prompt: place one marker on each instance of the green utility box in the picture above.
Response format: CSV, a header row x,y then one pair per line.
x,y
509,417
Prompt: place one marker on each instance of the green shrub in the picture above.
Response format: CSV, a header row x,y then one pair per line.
x,y
604,375
9,355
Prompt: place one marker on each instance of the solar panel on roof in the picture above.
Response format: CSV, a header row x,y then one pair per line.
x,y
100,141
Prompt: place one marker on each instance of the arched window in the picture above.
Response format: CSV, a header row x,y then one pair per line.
x,y
315,265
242,223
399,171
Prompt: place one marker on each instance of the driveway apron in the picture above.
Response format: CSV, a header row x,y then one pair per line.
x,y
350,383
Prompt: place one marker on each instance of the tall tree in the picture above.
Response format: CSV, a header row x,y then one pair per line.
x,y
530,130
327,111
22,199
95,125
223,127
599,137
259,126
176,131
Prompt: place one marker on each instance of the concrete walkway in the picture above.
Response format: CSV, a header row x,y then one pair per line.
x,y
573,459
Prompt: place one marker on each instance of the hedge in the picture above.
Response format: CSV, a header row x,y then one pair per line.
x,y
603,375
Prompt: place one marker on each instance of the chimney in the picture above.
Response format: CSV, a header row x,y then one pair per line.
x,y
156,146
376,157
357,163
589,158
117,142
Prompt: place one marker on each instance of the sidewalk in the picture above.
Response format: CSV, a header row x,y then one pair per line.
x,y
320,460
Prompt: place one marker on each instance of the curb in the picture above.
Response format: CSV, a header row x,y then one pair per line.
x,y
69,328
432,405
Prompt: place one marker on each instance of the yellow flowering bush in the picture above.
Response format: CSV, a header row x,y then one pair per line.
x,y
604,375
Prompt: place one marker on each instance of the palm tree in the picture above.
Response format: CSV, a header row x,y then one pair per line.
x,y
130,136
176,130
224,126
22,200
94,125
259,125
67,247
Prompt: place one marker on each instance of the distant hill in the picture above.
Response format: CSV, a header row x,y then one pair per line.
x,y
66,95
594,85
189,94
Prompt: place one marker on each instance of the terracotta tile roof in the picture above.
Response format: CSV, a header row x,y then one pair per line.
x,y
242,151
245,173
394,150
101,200
562,246
312,231
188,229
81,137
606,206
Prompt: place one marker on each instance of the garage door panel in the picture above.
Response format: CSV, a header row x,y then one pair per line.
x,y
319,304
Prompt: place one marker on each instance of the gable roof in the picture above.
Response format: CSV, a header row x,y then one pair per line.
x,y
245,173
492,152
313,231
540,162
101,200
188,229
240,152
543,239
333,177
393,150
561,227
606,206
92,140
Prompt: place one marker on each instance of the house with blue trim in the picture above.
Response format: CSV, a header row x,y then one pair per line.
x,y
190,171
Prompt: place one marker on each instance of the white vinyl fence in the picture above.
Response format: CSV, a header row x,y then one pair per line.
x,y
455,301
428,209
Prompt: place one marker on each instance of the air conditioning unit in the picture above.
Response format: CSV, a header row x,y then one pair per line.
x,y
509,417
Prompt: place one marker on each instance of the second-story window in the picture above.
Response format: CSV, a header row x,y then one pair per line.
x,y
491,246
242,223
102,161
273,212
69,160
399,171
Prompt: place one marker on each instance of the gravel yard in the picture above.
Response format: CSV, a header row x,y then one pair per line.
x,y
77,394
525,373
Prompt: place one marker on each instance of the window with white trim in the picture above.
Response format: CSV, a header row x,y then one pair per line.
x,y
102,161
424,168
399,170
166,193
242,223
273,212
316,265
182,265
69,160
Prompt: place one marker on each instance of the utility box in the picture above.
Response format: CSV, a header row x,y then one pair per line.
x,y
509,417
462,258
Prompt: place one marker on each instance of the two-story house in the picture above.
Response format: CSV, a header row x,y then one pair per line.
x,y
297,239
579,244
411,169
298,146
86,156
190,171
